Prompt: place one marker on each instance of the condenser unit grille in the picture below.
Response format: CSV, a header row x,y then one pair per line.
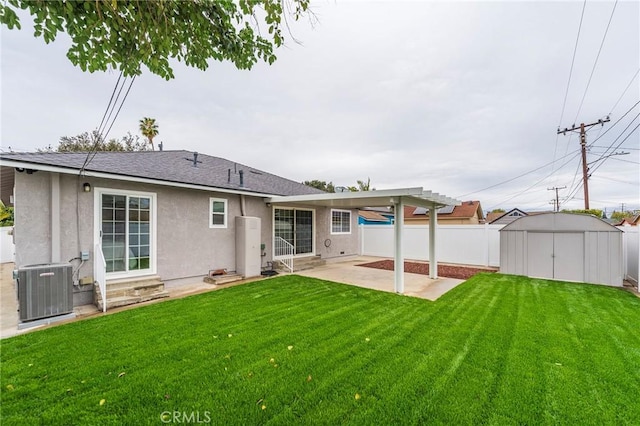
x,y
45,291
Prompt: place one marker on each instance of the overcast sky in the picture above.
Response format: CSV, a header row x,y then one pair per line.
x,y
451,96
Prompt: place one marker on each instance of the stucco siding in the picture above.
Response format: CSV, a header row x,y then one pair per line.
x,y
32,230
338,244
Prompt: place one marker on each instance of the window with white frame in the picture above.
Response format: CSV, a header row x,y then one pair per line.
x,y
340,221
217,213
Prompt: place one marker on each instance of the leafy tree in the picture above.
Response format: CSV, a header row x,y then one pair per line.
x,y
149,129
365,186
498,211
361,186
6,215
321,185
594,212
85,142
621,215
124,34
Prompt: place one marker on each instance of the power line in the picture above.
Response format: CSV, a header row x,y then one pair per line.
x,y
595,62
624,91
102,135
566,92
621,142
573,59
114,118
616,122
583,149
517,177
606,151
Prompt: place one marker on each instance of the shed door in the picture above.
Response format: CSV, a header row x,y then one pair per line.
x,y
557,256
568,250
540,255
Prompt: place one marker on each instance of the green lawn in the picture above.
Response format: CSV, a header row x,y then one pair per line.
x,y
496,350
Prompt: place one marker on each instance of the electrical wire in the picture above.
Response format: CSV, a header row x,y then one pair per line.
x,y
517,177
566,92
620,144
624,91
573,59
609,148
102,135
614,124
538,182
584,95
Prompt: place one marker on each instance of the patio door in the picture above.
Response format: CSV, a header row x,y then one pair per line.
x,y
296,226
127,232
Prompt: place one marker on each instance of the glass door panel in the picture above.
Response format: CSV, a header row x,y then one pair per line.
x,y
283,225
126,232
296,227
113,231
304,231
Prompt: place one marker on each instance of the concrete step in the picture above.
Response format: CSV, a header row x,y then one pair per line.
x,y
127,292
223,279
301,264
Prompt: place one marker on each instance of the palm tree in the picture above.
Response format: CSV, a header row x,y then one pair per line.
x,y
149,129
364,186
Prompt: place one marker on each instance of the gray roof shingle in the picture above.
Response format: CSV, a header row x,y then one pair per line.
x,y
172,167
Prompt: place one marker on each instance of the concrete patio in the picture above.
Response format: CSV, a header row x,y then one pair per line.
x,y
343,271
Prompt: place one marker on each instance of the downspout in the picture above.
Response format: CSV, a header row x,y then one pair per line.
x,y
243,207
54,216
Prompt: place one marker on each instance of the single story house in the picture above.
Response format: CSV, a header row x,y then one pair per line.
x,y
137,221
465,213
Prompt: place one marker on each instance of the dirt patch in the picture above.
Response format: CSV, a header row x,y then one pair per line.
x,y
449,271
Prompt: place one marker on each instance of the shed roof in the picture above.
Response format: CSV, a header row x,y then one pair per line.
x,y
559,222
166,167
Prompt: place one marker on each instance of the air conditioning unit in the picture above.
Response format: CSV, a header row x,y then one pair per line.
x,y
45,291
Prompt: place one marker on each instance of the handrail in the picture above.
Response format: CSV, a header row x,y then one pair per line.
x,y
283,252
100,274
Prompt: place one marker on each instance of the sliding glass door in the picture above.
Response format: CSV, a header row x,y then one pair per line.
x,y
296,227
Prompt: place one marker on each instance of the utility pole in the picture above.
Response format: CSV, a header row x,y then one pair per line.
x,y
583,147
556,202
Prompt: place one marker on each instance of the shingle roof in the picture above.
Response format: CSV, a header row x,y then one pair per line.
x,y
466,210
171,167
372,216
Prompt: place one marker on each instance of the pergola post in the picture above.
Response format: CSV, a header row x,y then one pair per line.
x,y
433,263
398,258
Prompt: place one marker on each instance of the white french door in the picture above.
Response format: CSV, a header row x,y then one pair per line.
x,y
126,225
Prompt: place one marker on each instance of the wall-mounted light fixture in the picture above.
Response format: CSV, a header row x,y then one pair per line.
x,y
86,187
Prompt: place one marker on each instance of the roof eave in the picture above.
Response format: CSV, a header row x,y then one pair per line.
x,y
88,173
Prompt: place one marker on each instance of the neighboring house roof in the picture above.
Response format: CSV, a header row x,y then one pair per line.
x,y
505,217
628,221
372,216
467,209
167,167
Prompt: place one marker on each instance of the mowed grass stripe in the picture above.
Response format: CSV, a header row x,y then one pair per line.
x,y
486,352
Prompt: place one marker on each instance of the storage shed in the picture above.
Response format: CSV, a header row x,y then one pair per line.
x,y
563,246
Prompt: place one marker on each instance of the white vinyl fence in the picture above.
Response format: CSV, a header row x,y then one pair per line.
x,y
631,253
464,244
7,249
470,245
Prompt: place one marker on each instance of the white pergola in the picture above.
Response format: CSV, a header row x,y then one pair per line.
x,y
397,198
